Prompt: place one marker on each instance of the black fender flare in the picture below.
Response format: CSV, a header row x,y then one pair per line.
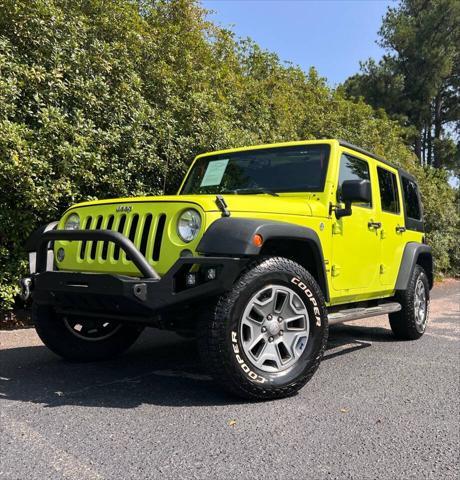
x,y
414,251
230,236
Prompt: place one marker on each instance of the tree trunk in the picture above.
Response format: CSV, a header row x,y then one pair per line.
x,y
437,127
430,146
424,144
418,146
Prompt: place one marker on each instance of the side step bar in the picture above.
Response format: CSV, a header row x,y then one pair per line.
x,y
347,315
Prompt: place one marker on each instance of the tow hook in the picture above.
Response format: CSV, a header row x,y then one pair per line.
x,y
26,288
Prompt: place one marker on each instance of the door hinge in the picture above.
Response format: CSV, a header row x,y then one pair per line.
x,y
336,229
382,269
383,234
335,271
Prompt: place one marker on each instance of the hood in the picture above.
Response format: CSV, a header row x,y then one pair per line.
x,y
305,205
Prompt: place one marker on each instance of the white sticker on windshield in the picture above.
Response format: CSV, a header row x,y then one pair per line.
x,y
214,173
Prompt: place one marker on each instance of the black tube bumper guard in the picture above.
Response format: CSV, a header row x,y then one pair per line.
x,y
124,297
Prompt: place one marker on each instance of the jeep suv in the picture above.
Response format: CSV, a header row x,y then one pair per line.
x,y
261,249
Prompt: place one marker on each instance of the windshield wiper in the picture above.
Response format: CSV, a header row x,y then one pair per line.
x,y
248,191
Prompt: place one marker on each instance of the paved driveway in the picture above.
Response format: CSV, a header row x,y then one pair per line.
x,y
377,408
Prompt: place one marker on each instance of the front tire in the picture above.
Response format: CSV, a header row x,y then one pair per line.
x,y
82,339
411,321
268,334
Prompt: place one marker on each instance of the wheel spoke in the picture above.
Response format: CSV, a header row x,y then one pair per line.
x,y
295,323
256,315
285,352
269,357
280,300
290,339
264,298
254,343
289,335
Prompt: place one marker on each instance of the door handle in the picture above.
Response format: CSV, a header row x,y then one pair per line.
x,y
374,225
400,229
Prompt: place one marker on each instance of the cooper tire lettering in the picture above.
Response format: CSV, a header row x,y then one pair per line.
x,y
252,375
297,281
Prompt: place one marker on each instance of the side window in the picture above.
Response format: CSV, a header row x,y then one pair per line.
x,y
352,168
388,191
411,201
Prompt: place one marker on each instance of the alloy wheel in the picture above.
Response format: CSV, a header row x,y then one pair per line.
x,y
274,329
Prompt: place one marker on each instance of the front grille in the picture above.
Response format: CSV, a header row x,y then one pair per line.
x,y
145,231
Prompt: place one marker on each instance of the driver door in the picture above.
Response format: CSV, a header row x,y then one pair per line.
x,y
356,239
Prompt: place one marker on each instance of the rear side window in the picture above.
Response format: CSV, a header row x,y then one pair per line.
x,y
352,168
388,187
411,201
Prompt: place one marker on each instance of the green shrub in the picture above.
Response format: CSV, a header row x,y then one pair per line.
x,y
103,99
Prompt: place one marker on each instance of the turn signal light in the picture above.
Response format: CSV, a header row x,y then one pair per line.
x,y
257,240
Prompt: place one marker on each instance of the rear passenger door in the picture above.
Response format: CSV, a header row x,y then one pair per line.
x,y
392,224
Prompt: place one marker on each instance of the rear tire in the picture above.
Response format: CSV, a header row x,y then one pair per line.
x,y
266,337
82,339
411,321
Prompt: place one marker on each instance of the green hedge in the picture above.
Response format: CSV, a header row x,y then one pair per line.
x,y
102,99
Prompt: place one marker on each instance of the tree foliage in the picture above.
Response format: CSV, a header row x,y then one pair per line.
x,y
102,99
418,81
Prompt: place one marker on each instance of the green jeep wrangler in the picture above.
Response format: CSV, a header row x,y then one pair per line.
x,y
261,249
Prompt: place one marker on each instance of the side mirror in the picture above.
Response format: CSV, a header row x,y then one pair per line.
x,y
353,191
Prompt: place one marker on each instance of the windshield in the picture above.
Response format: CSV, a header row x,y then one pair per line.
x,y
301,168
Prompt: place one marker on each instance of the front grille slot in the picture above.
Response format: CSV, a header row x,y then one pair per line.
x,y
158,237
133,230
121,227
94,244
83,244
146,234
105,245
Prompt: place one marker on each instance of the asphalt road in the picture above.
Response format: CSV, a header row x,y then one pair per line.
x,y
377,408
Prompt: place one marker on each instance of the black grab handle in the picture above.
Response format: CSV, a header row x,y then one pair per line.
x,y
375,225
95,235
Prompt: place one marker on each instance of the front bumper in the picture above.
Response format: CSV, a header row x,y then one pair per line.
x,y
127,298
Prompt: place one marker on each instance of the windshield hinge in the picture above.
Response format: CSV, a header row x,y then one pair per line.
x,y
222,205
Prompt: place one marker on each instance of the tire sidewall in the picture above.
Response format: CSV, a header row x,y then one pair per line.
x,y
419,273
311,296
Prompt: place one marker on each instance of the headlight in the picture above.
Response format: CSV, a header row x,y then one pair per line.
x,y
189,225
72,222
